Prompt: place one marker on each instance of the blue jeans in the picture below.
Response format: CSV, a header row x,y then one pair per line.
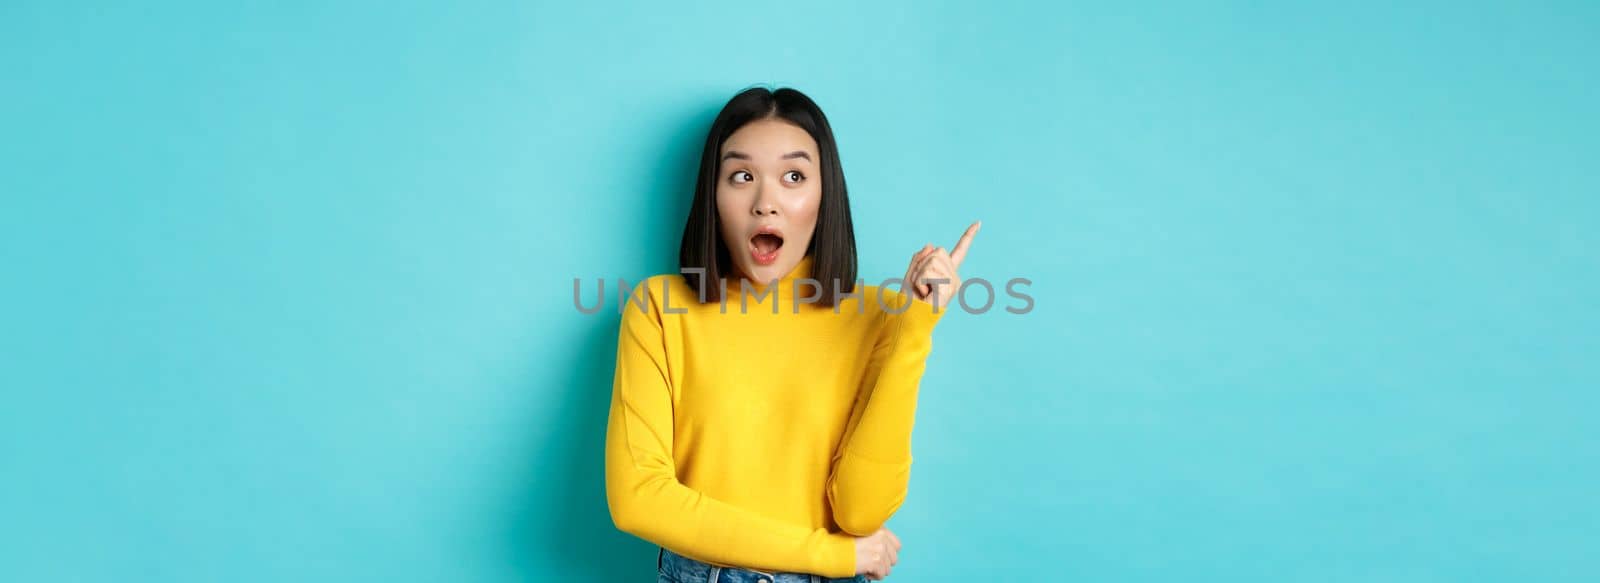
x,y
676,568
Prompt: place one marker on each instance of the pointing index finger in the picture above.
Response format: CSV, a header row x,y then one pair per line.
x,y
960,251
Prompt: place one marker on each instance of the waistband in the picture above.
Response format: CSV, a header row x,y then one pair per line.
x,y
690,570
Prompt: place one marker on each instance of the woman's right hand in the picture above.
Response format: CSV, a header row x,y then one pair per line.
x,y
876,553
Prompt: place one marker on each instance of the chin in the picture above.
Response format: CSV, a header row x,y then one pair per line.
x,y
764,273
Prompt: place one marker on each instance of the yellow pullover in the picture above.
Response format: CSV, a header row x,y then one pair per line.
x,y
760,440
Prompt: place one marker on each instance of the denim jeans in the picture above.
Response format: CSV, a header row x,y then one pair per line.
x,y
676,568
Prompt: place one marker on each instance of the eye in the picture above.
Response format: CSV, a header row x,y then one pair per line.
x,y
740,177
794,176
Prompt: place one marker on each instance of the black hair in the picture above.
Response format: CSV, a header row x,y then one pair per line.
x,y
833,243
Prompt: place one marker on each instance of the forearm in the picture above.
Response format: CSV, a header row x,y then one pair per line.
x,y
648,501
872,468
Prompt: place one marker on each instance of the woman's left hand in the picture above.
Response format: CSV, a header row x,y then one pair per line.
x,y
934,263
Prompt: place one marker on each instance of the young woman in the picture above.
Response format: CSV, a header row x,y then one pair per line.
x,y
761,414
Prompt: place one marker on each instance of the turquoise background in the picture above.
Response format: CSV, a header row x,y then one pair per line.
x,y
288,286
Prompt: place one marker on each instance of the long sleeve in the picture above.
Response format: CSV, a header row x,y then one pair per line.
x,y
872,466
647,499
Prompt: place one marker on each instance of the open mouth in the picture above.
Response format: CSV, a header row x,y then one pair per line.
x,y
764,247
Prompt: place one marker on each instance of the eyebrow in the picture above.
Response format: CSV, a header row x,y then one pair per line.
x,y
737,155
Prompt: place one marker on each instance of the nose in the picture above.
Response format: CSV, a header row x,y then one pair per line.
x,y
764,207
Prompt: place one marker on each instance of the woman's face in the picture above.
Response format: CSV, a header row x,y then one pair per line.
x,y
768,190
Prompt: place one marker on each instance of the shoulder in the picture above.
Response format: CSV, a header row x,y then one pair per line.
x,y
656,288
658,295
641,304
890,304
875,300
659,283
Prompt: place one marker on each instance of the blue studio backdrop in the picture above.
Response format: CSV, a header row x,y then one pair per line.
x,y
287,287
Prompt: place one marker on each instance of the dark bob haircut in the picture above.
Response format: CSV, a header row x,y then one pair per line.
x,y
833,243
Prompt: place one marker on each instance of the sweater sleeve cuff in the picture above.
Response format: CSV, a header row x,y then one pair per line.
x,y
836,557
